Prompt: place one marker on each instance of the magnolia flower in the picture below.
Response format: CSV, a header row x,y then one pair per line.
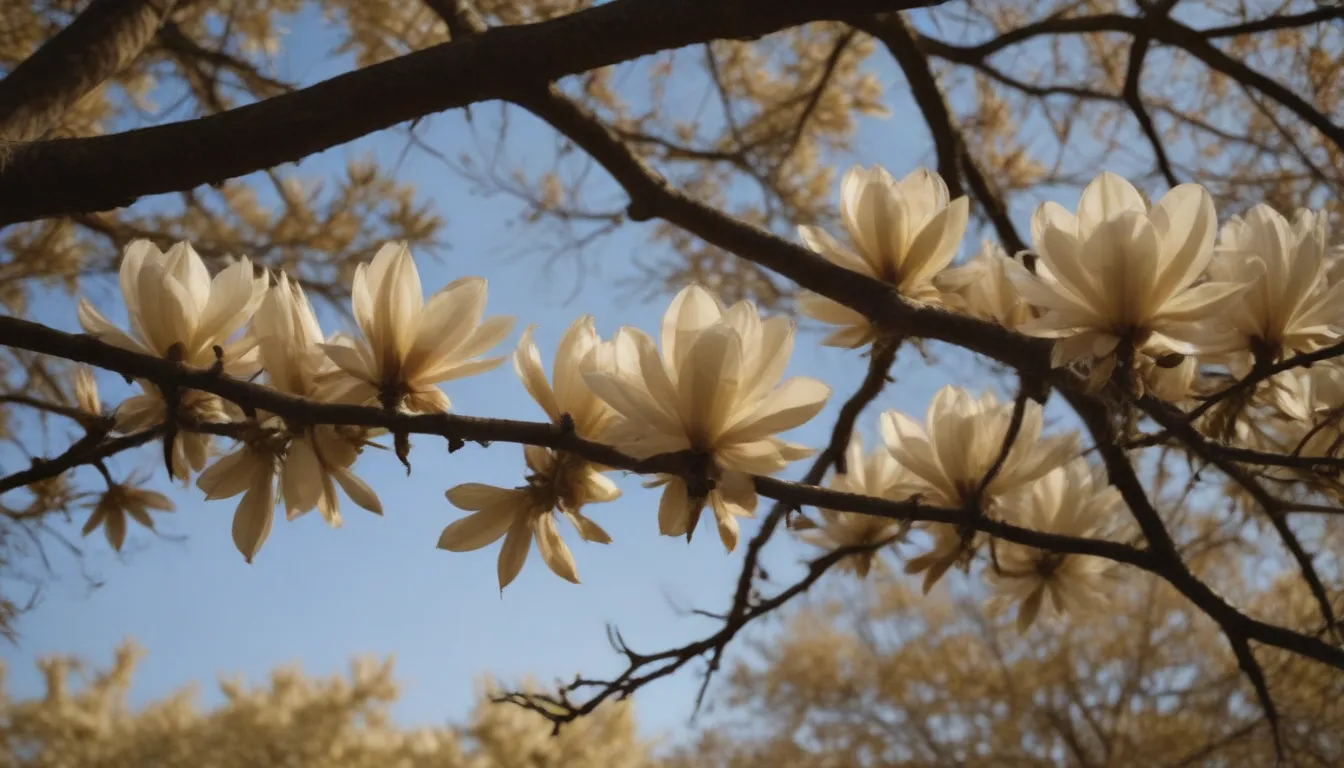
x,y
249,470
876,474
951,455
981,288
527,512
1119,273
714,390
288,338
116,504
1290,306
409,345
559,480
903,232
962,439
1069,501
571,395
86,391
177,312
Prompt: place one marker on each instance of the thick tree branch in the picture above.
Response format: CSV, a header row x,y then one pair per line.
x,y
98,44
80,175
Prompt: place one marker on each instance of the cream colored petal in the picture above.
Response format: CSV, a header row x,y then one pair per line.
x,y
300,478
477,530
166,310
252,520
230,475
600,488
588,530
760,457
934,247
553,549
674,508
450,317
725,520
1200,302
820,241
514,552
232,301
185,265
692,310
1187,223
97,326
358,490
527,364
479,496
352,360
1104,198
137,252
708,382
567,369
793,404
361,303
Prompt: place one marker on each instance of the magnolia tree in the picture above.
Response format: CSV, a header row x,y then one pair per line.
x,y
1190,327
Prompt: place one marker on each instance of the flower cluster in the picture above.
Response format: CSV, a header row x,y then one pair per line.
x,y
1146,299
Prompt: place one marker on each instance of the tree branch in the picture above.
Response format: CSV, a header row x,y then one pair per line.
x,y
1160,558
80,175
98,44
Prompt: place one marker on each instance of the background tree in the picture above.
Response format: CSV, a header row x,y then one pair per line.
x,y
294,719
1021,101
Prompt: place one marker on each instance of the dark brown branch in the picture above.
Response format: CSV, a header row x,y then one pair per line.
x,y
81,453
1134,99
80,175
98,44
1160,558
1166,31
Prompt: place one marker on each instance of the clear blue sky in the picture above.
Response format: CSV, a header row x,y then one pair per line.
x,y
378,585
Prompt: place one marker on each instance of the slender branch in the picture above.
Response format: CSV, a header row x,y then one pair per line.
x,y
954,158
80,454
879,365
1159,558
81,175
98,44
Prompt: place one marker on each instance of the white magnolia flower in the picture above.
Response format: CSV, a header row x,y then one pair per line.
x,y
713,390
903,233
571,394
176,311
521,514
1290,306
119,502
981,288
1069,501
288,337
878,475
952,453
409,345
559,481
1121,273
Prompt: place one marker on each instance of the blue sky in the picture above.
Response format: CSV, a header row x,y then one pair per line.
x,y
378,585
